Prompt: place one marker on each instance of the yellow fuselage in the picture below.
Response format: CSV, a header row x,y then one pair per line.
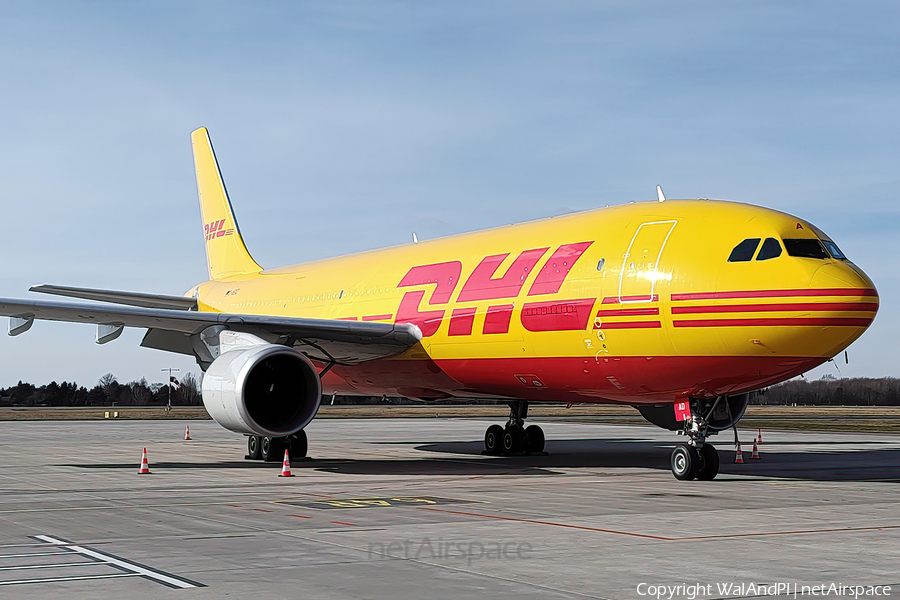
x,y
636,303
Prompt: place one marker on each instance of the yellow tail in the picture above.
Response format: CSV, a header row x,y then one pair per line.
x,y
226,254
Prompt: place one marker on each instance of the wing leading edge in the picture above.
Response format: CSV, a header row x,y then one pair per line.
x,y
116,297
196,333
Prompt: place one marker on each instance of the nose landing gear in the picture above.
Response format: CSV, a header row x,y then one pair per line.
x,y
691,462
515,438
696,459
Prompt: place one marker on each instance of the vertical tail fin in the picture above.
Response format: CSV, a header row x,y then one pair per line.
x,y
226,254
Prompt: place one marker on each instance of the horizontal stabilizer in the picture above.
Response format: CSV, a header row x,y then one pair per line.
x,y
127,298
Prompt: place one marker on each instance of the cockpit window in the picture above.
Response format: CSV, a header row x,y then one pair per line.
x,y
834,250
744,251
805,248
770,249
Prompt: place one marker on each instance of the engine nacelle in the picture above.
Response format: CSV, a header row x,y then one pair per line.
x,y
269,390
664,416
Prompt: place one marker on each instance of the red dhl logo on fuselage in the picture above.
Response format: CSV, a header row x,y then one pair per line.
x,y
483,285
216,229
574,314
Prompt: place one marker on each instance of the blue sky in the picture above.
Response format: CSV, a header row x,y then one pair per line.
x,y
344,126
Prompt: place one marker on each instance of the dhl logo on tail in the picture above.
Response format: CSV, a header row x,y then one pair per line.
x,y
216,229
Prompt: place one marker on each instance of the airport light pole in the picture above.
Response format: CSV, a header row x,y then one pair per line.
x,y
169,385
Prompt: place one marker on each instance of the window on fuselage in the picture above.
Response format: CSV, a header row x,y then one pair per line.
x,y
805,248
744,251
770,249
834,250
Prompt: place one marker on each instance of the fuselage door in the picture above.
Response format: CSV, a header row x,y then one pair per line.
x,y
639,274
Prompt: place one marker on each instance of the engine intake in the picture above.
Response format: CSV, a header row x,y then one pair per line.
x,y
269,390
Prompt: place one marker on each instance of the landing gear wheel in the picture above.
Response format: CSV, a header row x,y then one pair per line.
x,y
299,445
709,463
513,439
535,439
493,439
253,447
685,462
271,449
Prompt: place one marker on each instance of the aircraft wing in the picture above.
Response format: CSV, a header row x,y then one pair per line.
x,y
345,342
129,298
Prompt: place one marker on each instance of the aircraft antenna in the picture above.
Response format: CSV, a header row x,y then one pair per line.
x,y
415,238
659,194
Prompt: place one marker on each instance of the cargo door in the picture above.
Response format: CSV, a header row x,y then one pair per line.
x,y
637,280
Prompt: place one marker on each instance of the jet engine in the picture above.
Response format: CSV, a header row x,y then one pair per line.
x,y
727,412
267,390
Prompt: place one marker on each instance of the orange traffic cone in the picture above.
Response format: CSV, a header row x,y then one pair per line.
x,y
187,432
286,467
755,451
759,436
738,457
145,468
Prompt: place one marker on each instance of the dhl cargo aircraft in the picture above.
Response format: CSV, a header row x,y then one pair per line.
x,y
679,308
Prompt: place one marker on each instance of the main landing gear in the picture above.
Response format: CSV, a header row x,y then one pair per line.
x,y
515,438
696,459
271,449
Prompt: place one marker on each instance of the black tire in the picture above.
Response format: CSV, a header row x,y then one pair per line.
x,y
535,439
685,462
271,449
513,440
493,439
299,445
709,463
253,447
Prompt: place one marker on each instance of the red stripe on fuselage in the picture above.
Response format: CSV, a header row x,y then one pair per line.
x,y
811,306
811,293
775,322
618,300
628,312
628,325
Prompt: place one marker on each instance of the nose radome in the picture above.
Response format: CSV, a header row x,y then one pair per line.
x,y
848,304
839,275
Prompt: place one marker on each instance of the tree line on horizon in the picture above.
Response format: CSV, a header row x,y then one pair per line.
x,y
831,391
827,391
107,392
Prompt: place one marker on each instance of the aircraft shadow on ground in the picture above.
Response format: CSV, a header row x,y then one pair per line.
x,y
860,462
465,458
